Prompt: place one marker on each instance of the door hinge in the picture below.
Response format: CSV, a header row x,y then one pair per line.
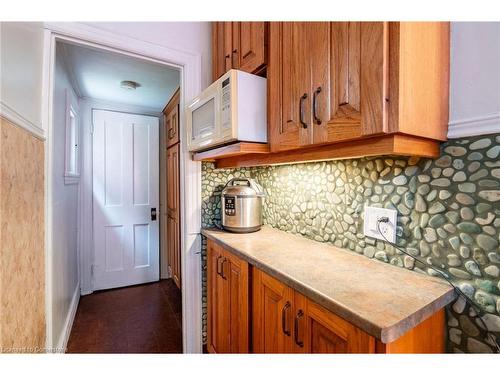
x,y
92,128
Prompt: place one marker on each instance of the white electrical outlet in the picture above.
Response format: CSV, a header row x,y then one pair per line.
x,y
372,215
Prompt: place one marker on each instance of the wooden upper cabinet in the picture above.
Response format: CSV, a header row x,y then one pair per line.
x,y
338,81
290,117
228,295
347,80
250,45
238,45
171,119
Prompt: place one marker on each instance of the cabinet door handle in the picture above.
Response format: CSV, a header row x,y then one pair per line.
x,y
223,274
219,264
171,133
283,318
228,56
299,315
317,120
301,110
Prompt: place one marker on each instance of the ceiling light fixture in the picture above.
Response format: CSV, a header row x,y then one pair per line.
x,y
129,85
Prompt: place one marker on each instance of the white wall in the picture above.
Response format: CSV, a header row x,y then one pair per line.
x,y
64,212
475,78
184,36
21,67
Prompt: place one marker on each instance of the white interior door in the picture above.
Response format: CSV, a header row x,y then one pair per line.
x,y
125,190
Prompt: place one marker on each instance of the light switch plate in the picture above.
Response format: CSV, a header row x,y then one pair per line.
x,y
372,215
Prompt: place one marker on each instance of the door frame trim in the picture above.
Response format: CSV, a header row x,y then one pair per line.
x,y
189,65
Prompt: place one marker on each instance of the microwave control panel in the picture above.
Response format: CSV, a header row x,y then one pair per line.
x,y
226,104
229,208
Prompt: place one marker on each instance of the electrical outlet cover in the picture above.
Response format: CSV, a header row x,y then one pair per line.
x,y
372,215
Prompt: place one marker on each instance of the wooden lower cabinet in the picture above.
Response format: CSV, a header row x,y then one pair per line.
x,y
282,320
228,298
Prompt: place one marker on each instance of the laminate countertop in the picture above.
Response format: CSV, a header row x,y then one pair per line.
x,y
383,300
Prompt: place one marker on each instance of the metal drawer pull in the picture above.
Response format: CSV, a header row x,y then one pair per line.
x,y
301,110
223,274
219,263
283,318
299,315
317,120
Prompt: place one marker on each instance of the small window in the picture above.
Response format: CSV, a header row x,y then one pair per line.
x,y
72,172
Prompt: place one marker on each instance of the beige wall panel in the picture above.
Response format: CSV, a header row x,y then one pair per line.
x,y
22,275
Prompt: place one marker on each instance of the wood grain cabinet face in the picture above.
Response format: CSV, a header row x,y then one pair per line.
x,y
238,45
325,82
173,214
171,119
228,315
284,321
347,80
338,81
272,317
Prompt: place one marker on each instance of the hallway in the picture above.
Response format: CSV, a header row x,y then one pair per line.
x,y
138,319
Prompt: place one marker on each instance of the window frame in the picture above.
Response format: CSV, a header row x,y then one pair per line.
x,y
72,142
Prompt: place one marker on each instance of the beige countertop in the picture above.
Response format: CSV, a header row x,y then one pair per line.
x,y
384,300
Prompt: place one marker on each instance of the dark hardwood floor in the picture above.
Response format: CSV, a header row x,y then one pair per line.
x,y
138,319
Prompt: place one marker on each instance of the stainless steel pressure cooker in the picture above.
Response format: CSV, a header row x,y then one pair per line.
x,y
242,201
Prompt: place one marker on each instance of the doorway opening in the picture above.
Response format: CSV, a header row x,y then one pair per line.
x,y
109,184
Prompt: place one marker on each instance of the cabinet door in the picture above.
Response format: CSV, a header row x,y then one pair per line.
x,y
173,248
348,79
218,329
235,273
173,126
289,85
228,46
272,314
324,332
173,181
228,323
218,56
249,45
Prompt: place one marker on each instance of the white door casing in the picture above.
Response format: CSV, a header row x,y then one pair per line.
x,y
125,190
189,64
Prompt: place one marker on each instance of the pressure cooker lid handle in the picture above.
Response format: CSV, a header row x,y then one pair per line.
x,y
231,181
250,182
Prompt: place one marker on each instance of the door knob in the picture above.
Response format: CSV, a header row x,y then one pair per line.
x,y
153,214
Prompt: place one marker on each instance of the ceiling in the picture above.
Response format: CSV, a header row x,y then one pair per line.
x,y
97,74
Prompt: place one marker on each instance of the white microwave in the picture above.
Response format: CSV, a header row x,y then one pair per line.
x,y
231,109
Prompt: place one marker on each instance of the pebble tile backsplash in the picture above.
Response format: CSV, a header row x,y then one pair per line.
x,y
448,216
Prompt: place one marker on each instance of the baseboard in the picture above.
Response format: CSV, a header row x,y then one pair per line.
x,y
70,317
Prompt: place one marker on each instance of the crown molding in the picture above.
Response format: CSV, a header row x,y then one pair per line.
x,y
488,124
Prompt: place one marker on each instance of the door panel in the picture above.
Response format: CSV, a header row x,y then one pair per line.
x,y
250,45
272,314
348,79
173,213
218,303
228,46
218,63
173,181
328,333
290,80
125,189
228,315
